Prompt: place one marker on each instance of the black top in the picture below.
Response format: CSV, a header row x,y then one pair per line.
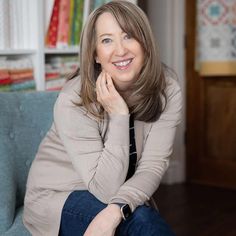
x,y
132,149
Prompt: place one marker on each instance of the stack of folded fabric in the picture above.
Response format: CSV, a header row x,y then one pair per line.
x,y
58,69
16,74
5,79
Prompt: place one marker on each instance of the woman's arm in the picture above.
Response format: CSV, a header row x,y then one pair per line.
x,y
102,166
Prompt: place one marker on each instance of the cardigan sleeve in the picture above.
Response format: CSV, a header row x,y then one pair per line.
x,y
101,165
155,156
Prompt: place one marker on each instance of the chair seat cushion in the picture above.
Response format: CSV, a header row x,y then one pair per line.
x,y
17,228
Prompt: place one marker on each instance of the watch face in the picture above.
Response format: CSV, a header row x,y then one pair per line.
x,y
126,211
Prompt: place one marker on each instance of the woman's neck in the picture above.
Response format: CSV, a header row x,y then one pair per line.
x,y
125,92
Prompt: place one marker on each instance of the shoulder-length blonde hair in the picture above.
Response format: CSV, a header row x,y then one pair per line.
x,y
149,88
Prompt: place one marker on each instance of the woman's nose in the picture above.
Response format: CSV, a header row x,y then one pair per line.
x,y
120,48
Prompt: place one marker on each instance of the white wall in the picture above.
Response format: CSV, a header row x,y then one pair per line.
x,y
167,20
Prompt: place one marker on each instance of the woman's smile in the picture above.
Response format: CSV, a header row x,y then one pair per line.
x,y
123,64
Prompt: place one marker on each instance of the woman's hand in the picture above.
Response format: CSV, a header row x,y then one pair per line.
x,y
106,222
108,96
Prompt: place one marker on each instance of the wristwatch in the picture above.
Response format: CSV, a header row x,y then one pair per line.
x,y
125,210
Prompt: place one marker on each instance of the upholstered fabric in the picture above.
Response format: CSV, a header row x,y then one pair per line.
x,y
24,121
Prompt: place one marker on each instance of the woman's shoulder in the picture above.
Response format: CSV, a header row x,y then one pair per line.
x,y
173,91
172,84
72,88
174,97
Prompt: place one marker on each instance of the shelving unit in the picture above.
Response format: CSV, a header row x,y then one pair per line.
x,y
36,49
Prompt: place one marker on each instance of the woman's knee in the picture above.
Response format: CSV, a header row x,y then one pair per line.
x,y
79,201
145,214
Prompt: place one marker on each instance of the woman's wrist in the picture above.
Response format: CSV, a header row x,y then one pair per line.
x,y
114,211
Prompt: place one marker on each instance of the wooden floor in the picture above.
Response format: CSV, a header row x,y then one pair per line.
x,y
196,210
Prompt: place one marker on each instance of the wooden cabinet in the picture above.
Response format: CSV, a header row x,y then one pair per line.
x,y
211,119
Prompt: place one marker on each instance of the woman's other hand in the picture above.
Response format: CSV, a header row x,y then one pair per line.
x,y
108,96
106,222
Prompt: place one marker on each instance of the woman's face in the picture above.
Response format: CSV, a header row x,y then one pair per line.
x,y
120,55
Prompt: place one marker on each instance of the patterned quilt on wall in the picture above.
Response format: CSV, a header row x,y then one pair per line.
x,y
216,37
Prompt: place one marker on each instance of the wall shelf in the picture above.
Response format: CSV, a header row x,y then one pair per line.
x,y
72,50
12,52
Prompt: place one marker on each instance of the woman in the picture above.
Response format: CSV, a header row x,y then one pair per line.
x,y
113,130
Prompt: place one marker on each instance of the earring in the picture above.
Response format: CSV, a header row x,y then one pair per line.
x,y
97,61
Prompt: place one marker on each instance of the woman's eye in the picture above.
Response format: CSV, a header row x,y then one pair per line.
x,y
127,36
106,40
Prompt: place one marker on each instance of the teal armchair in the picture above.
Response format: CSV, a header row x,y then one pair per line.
x,y
24,120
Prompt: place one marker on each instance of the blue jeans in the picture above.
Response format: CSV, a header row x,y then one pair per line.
x,y
81,207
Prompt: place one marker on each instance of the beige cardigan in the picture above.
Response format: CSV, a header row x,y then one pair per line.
x,y
81,153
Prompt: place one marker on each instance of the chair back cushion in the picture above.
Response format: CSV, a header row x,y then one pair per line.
x,y
24,120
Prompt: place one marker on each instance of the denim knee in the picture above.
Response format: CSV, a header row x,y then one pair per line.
x,y
145,213
83,201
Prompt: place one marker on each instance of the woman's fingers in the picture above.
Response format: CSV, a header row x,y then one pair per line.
x,y
108,96
110,85
101,86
